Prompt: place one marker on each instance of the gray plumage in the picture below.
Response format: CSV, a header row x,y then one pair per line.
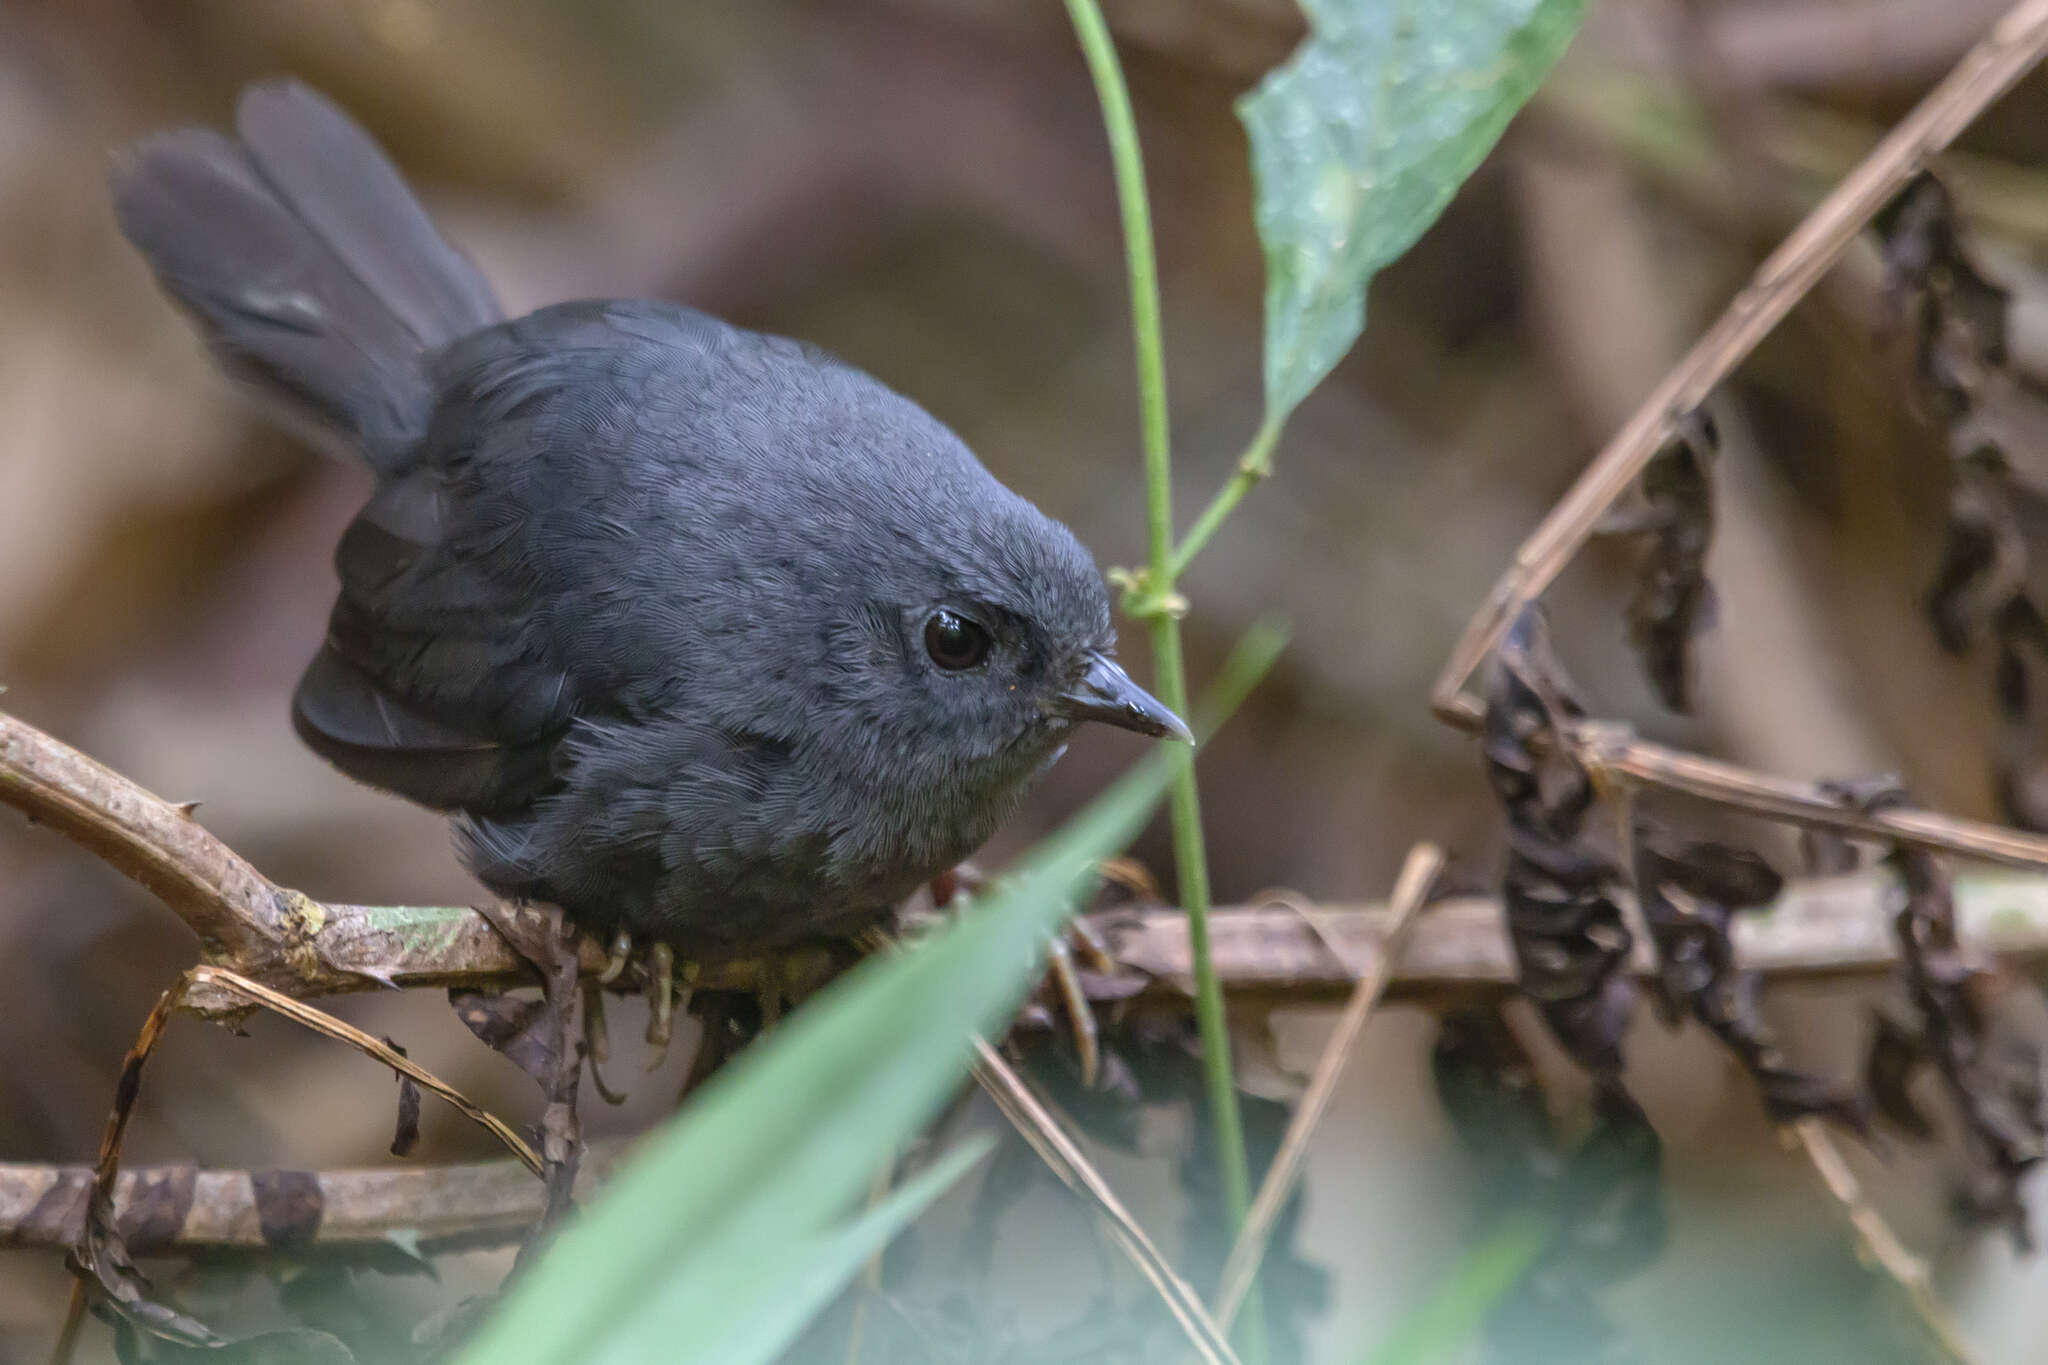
x,y
646,600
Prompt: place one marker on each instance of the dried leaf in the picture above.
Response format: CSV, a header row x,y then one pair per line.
x,y
1994,1081
1673,601
406,1135
1570,941
1690,894
514,1025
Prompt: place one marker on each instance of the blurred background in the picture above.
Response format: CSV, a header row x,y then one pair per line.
x,y
922,186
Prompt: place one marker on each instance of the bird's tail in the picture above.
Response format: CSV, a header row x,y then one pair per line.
x,y
307,263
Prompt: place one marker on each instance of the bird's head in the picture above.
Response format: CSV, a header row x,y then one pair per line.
x,y
982,631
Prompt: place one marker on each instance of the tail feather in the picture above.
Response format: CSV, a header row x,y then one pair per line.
x,y
350,195
309,266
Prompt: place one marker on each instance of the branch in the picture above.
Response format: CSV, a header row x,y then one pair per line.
x,y
1280,949
1988,70
181,1210
1821,927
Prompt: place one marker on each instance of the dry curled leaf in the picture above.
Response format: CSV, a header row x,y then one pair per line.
x,y
1673,600
1957,319
515,1025
406,1134
1690,894
1991,1073
1563,921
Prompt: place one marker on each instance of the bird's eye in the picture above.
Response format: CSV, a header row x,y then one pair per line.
x,y
954,641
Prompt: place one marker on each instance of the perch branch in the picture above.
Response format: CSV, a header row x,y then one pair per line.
x,y
2011,49
1823,927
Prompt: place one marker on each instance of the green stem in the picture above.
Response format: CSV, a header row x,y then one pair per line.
x,y
1190,859
1143,269
1252,467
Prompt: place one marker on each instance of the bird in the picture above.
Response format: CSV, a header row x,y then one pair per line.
x,y
702,635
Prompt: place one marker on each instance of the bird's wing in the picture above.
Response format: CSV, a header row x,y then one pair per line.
x,y
520,568
444,676
430,683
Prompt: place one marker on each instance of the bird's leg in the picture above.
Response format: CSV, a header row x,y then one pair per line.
x,y
661,1002
597,1040
561,1130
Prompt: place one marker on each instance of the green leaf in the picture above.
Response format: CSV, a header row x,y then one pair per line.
x,y
724,1210
1361,138
1435,1328
805,1282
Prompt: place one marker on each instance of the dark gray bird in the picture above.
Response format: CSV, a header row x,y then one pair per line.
x,y
702,634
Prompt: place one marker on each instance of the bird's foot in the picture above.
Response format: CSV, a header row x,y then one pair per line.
x,y
654,965
1073,951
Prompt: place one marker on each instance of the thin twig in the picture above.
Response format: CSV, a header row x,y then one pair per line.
x,y
1066,1160
2012,48
324,1023
1411,891
74,1321
1036,1124
1613,754
1879,1241
99,1256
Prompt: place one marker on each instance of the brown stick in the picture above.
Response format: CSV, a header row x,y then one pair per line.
x,y
2012,48
1425,863
229,904
1614,756
255,993
1883,1245
1066,1160
183,1210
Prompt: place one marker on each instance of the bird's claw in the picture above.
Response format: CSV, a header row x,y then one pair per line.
x,y
1065,979
615,965
949,890
597,1041
661,1002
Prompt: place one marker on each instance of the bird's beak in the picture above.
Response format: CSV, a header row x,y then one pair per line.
x,y
1106,693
